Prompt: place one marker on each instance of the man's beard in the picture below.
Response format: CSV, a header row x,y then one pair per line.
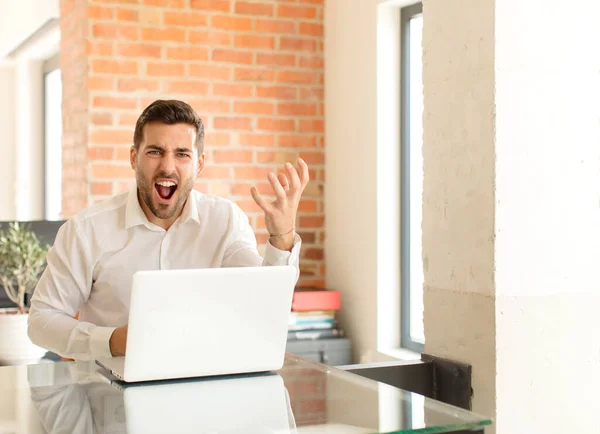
x,y
163,211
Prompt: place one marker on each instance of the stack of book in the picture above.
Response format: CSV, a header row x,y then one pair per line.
x,y
313,315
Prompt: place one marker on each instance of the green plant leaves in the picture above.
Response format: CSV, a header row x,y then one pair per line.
x,y
22,261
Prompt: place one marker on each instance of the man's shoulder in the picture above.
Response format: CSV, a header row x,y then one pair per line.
x,y
104,212
216,211
206,202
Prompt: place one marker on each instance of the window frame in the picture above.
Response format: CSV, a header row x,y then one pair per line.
x,y
49,65
406,14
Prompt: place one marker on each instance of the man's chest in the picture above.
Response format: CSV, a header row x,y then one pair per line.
x,y
131,251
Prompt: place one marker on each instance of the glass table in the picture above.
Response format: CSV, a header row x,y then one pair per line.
x,y
302,397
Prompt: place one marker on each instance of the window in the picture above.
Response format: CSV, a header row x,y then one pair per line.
x,y
411,111
52,116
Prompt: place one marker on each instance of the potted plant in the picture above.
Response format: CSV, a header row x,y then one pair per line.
x,y
22,261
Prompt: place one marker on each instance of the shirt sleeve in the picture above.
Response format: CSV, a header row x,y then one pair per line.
x,y
63,288
241,249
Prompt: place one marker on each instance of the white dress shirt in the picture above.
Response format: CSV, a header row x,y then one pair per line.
x,y
96,252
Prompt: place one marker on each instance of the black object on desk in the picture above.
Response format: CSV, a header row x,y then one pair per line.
x,y
334,352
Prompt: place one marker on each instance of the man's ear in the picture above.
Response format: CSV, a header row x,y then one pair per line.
x,y
200,164
132,157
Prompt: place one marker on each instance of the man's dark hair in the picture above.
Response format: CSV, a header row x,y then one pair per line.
x,y
169,112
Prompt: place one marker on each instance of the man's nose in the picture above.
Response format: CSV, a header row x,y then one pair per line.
x,y
167,162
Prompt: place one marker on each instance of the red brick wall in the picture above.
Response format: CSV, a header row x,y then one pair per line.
x,y
252,69
73,65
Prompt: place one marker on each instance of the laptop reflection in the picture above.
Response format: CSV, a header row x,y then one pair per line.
x,y
252,403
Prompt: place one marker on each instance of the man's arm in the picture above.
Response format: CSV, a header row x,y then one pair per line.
x,y
283,247
280,215
63,288
241,249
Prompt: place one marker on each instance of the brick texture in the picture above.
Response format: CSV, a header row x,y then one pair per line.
x,y
76,110
252,69
308,392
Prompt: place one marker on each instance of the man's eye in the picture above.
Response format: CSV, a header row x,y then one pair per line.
x,y
182,155
153,152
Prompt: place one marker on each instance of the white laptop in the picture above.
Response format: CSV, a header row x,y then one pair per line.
x,y
205,322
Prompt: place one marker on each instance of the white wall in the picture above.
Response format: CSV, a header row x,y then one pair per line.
x,y
19,19
8,143
21,105
547,216
362,49
29,142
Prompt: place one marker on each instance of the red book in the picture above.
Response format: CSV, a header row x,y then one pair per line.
x,y
316,300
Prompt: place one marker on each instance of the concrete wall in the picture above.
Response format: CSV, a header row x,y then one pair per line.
x,y
510,215
458,188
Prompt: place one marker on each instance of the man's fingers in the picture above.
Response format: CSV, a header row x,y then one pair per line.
x,y
284,181
293,176
277,187
304,174
260,201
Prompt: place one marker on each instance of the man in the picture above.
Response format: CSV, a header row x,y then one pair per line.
x,y
162,223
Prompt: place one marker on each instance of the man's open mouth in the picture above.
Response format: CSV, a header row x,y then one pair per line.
x,y
165,189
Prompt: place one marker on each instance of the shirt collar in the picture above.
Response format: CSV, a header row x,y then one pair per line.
x,y
134,214
190,209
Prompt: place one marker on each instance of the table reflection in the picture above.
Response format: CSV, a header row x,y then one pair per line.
x,y
301,398
75,401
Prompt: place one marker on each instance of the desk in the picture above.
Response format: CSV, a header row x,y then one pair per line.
x,y
302,397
